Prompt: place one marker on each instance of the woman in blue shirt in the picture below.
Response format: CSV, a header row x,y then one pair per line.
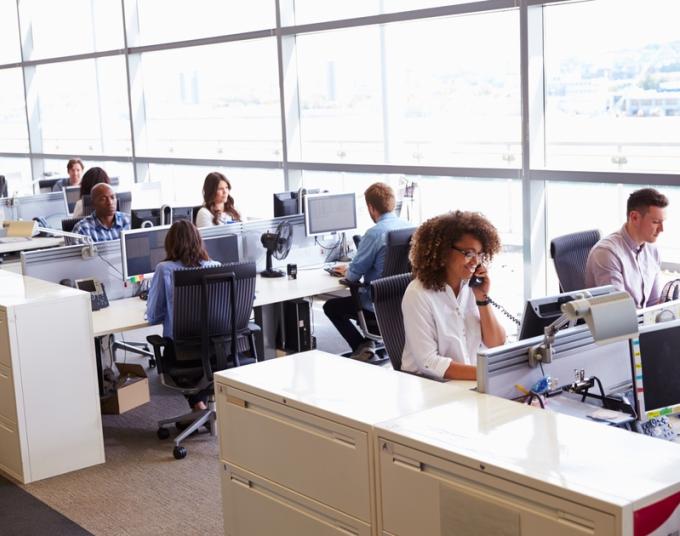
x,y
183,249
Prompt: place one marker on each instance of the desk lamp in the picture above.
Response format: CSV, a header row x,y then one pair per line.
x,y
609,318
28,229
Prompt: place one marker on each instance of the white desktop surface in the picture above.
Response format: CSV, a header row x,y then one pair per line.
x,y
39,242
128,313
602,462
332,386
16,289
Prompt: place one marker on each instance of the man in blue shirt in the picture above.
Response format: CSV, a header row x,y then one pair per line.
x,y
367,263
105,223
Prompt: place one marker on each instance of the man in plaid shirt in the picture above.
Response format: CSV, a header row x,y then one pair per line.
x,y
105,223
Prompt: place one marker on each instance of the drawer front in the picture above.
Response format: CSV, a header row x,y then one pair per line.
x,y
5,355
8,408
10,451
254,506
453,499
316,457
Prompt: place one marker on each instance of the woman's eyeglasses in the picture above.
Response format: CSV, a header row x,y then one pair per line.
x,y
471,254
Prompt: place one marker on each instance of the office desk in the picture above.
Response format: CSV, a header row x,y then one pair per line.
x,y
296,441
127,314
39,242
452,457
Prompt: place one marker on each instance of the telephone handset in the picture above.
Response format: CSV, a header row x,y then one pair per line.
x,y
98,298
476,281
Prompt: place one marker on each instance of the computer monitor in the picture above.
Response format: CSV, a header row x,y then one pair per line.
x,y
71,196
329,213
285,204
655,364
183,213
541,312
142,250
142,218
223,248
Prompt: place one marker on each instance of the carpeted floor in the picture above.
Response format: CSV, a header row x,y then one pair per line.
x,y
142,490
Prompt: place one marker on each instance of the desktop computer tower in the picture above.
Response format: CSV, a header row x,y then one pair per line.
x,y
297,327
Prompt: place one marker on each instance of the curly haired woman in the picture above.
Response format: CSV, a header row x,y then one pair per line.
x,y
445,319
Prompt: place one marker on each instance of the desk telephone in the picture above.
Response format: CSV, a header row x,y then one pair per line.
x,y
98,298
476,281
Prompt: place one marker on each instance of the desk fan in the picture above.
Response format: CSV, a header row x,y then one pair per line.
x,y
277,245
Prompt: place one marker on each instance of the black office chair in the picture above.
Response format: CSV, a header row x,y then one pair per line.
x,y
387,295
3,186
211,314
570,253
398,245
67,224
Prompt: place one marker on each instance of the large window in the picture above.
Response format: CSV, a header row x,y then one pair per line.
x,y
73,27
178,20
215,101
9,32
13,132
613,85
83,107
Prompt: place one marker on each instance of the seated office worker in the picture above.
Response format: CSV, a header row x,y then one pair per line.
x,y
183,249
105,223
367,263
218,204
74,168
628,259
446,321
94,175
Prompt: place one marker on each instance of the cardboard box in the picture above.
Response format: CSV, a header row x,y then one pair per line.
x,y
132,390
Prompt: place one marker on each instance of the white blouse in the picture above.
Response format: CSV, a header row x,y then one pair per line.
x,y
204,218
440,328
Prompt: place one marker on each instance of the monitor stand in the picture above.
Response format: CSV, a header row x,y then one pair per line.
x,y
343,254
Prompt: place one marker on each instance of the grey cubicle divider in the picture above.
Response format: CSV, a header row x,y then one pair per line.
x,y
68,263
500,369
49,206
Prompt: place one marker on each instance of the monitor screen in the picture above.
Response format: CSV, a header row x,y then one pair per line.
x,y
541,312
327,213
223,248
655,359
141,218
142,250
71,196
285,204
183,213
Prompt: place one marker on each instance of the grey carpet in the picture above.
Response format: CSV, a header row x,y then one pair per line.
x,y
24,515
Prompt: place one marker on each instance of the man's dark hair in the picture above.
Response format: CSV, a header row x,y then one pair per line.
x,y
641,200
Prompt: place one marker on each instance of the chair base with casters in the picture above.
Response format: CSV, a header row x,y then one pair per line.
x,y
197,419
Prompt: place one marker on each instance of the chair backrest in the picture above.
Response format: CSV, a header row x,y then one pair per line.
x,y
396,253
205,312
67,224
387,295
3,186
570,253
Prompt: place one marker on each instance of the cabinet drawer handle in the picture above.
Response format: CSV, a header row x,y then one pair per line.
x,y
240,481
407,463
345,440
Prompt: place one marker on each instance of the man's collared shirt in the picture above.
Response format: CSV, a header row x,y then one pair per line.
x,y
98,232
370,256
617,260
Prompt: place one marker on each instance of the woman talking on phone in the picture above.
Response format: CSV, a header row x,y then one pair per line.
x,y
447,313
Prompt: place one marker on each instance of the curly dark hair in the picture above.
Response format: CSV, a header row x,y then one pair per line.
x,y
433,240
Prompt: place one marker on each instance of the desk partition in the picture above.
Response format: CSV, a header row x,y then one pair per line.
x,y
49,206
